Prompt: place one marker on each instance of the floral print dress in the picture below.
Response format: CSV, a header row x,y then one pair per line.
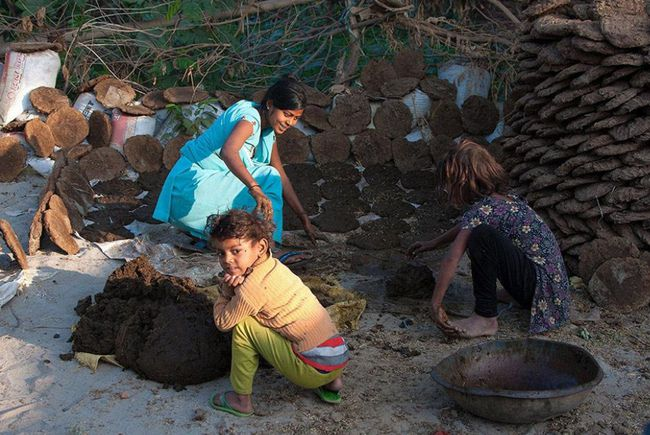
x,y
514,218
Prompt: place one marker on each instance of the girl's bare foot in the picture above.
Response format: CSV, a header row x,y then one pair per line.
x,y
240,402
476,326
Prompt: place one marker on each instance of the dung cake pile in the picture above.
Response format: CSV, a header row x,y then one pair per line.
x,y
157,325
580,149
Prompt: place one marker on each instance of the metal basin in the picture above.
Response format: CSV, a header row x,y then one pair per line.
x,y
519,381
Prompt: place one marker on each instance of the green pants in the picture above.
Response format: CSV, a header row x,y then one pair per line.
x,y
250,340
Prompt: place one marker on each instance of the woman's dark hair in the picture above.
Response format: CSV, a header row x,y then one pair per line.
x,y
239,224
286,94
469,172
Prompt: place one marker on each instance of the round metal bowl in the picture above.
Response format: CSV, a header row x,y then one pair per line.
x,y
519,381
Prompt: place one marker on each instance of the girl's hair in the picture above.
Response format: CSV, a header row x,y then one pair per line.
x,y
286,94
469,172
239,224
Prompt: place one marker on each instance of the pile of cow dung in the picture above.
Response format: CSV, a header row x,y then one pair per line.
x,y
580,153
157,325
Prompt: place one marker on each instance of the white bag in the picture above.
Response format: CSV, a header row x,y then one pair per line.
x,y
469,80
86,103
126,126
22,73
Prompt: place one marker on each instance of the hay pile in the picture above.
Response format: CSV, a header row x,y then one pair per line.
x,y
580,150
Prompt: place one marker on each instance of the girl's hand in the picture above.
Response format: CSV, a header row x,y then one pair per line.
x,y
441,320
264,204
419,247
233,280
309,228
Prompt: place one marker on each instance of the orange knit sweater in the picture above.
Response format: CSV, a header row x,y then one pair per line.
x,y
279,300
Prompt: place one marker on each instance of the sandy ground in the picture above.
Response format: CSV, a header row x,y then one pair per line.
x,y
388,384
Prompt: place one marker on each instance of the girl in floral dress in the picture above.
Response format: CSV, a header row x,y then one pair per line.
x,y
504,238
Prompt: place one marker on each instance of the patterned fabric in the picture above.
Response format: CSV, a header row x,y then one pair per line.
x,y
328,356
514,218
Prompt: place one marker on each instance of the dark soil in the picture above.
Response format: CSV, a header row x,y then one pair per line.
x,y
100,233
411,281
392,207
13,157
103,164
346,205
39,136
390,225
153,181
144,153
420,197
393,119
290,221
445,118
339,189
351,114
439,146
316,117
304,173
293,146
372,148
374,241
340,171
480,115
157,325
336,221
381,174
100,129
418,180
410,156
330,146
122,187
185,95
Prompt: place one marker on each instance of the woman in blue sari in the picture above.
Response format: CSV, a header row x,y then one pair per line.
x,y
236,164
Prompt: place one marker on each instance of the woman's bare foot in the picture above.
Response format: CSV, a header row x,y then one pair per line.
x,y
335,385
240,402
476,326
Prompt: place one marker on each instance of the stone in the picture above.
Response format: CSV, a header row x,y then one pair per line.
x,y
154,100
330,146
58,227
480,115
293,146
397,88
372,148
39,136
12,242
47,100
316,117
100,129
226,99
136,109
445,118
185,95
172,151
375,74
13,157
411,156
596,252
393,119
103,164
113,93
621,284
68,126
351,113
144,153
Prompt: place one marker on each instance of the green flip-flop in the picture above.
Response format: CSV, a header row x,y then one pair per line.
x,y
225,406
328,396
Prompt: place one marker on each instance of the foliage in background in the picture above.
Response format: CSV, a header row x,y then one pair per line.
x,y
243,54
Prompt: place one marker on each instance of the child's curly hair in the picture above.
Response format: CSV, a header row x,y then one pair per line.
x,y
468,173
239,224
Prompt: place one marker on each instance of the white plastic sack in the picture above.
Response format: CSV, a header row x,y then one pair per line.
x,y
198,116
418,103
126,126
86,103
468,79
22,73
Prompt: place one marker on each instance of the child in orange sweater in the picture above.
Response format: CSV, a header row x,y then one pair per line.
x,y
271,313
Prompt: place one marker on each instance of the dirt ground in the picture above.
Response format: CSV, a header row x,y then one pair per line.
x,y
388,385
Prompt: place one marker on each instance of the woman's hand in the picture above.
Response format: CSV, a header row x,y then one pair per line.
x,y
264,205
420,247
309,228
441,320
